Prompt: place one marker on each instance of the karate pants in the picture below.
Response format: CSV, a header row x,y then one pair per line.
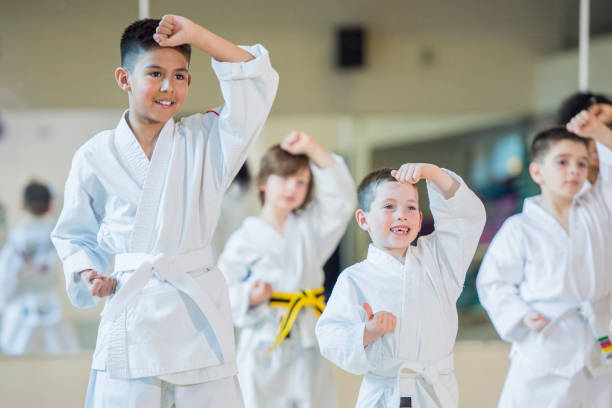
x,y
151,392
526,388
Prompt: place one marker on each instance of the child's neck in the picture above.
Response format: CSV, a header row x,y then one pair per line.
x,y
145,133
275,217
397,253
558,207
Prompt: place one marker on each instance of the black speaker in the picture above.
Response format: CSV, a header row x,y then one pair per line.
x,y
350,47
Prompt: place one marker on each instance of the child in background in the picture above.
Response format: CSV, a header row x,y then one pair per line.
x,y
600,106
393,316
545,279
146,196
274,268
32,319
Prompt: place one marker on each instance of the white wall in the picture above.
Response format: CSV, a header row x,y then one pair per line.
x,y
556,75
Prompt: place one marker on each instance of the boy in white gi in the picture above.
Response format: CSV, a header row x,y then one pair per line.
x,y
146,195
393,316
32,319
274,267
545,279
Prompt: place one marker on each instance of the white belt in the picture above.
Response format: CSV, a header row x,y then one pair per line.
x,y
430,372
585,309
171,269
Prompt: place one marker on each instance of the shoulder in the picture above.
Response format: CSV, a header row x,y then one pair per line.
x,y
354,275
93,146
199,121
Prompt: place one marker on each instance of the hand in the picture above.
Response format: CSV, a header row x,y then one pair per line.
x,y
298,142
413,172
587,125
173,31
98,284
260,292
377,324
603,112
535,321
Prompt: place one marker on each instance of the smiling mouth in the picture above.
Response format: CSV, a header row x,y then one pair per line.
x,y
165,104
400,230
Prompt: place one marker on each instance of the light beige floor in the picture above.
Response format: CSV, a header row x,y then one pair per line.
x,y
60,382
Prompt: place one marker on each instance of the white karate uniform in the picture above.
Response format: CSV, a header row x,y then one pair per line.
x,y
237,204
415,360
32,320
170,316
534,264
294,374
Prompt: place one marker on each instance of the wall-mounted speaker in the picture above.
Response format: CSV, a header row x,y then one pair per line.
x,y
350,47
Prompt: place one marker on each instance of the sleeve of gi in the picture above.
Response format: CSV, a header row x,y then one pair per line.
x,y
248,89
603,186
75,234
499,278
459,222
235,262
11,262
333,205
340,329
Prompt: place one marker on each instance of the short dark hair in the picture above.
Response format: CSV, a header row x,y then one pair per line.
x,y
576,103
282,163
367,188
37,198
138,37
544,140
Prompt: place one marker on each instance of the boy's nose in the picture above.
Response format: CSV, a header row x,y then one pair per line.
x,y
166,85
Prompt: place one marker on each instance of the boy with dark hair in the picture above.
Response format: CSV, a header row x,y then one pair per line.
x,y
147,196
393,316
545,278
32,319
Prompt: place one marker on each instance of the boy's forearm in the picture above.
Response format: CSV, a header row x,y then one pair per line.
x,y
219,48
320,156
447,185
605,138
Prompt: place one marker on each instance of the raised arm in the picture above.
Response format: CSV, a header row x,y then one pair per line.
x,y
175,30
335,196
459,217
587,125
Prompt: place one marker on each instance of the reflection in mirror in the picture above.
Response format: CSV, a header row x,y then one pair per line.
x,y
32,318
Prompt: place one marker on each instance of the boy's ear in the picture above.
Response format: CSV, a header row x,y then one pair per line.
x,y
362,219
122,75
535,171
188,79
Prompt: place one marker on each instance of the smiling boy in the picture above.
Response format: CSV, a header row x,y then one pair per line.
x,y
146,196
405,348
545,279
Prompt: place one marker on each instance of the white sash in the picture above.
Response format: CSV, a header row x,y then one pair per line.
x,y
430,372
174,270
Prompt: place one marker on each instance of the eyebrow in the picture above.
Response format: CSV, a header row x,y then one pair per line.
x,y
563,155
158,67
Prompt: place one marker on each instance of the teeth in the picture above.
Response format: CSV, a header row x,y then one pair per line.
x,y
167,103
399,229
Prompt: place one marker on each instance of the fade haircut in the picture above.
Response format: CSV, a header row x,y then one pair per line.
x,y
576,103
366,192
138,38
282,163
546,139
37,198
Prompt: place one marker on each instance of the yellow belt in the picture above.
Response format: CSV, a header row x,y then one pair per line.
x,y
294,302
